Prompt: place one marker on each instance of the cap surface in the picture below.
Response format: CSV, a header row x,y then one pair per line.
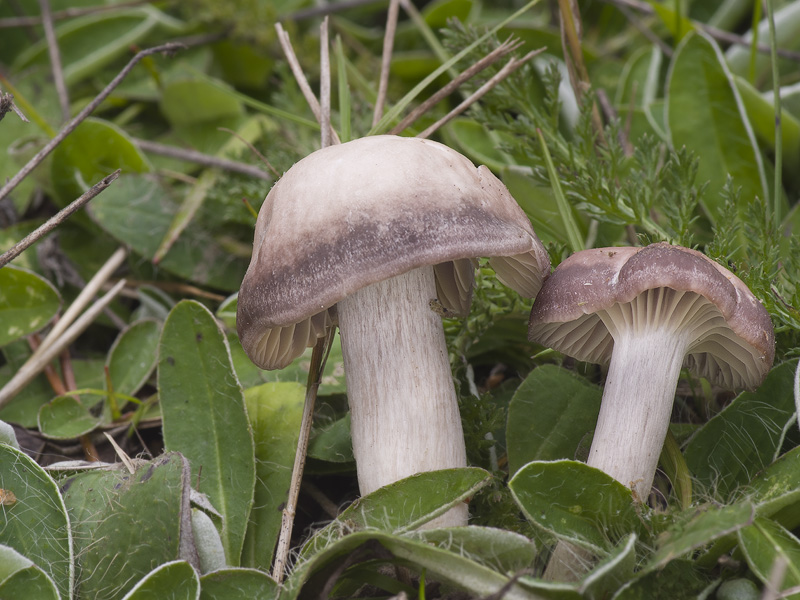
x,y
354,214
733,341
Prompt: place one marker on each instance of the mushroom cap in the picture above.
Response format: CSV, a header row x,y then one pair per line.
x,y
350,215
732,339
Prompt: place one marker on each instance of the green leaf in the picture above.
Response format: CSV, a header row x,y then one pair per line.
x,y
745,437
705,114
699,527
227,584
406,504
21,578
778,486
137,210
765,542
611,572
174,580
761,113
275,410
94,150
678,580
127,524
27,303
503,551
33,518
441,565
66,418
552,412
193,101
331,441
90,42
205,417
576,503
133,355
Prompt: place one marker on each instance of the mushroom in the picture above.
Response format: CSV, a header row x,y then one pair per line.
x,y
378,234
648,312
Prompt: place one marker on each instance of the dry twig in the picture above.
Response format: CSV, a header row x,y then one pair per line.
x,y
297,71
510,67
81,116
201,159
55,59
56,219
386,59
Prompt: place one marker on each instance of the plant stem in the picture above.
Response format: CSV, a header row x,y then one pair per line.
x,y
776,192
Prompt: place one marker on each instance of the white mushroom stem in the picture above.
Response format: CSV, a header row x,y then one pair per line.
x,y
404,411
637,403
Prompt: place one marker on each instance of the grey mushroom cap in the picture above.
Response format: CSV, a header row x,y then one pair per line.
x,y
350,215
733,346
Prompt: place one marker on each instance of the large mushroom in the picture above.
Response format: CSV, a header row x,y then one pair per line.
x,y
377,233
648,312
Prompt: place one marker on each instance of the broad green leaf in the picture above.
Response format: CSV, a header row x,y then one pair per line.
x,y
132,356
761,112
503,551
442,565
576,503
679,26
226,584
66,418
90,42
539,204
33,518
678,580
21,578
127,524
777,486
205,417
551,414
745,437
171,581
404,505
275,410
437,13
27,303
194,101
611,572
699,527
705,114
137,211
639,81
477,142
787,35
765,542
94,150
331,441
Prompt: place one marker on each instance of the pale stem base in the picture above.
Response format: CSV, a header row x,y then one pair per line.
x,y
636,407
403,406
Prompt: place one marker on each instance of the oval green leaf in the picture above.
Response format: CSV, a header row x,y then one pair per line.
x,y
94,150
133,355
33,519
764,543
175,580
550,415
205,417
66,418
705,114
234,583
576,502
27,303
745,437
275,410
20,578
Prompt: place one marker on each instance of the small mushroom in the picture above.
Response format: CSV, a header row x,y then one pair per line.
x,y
648,312
378,233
